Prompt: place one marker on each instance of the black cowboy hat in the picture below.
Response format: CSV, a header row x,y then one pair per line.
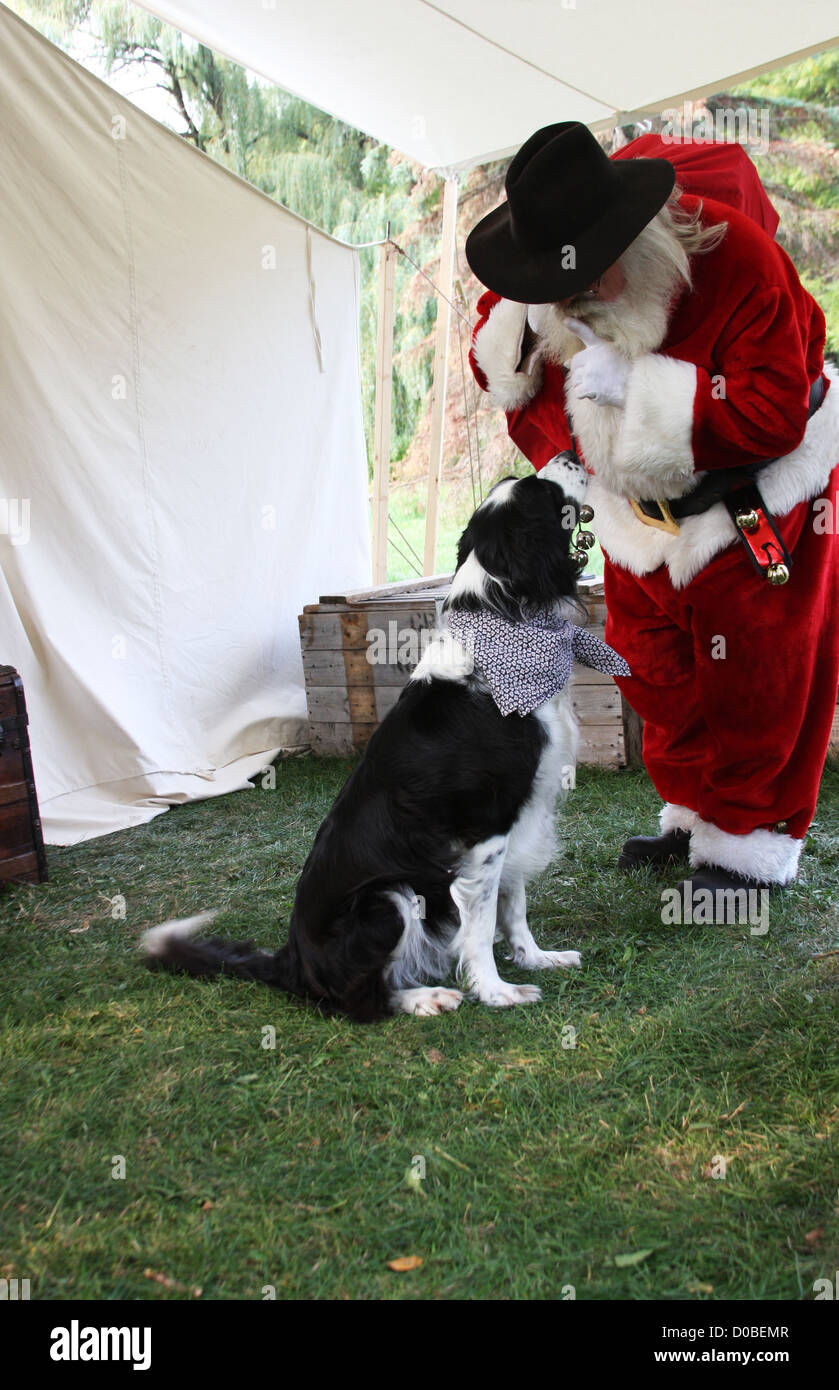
x,y
570,212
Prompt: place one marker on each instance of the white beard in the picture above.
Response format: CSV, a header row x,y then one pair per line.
x,y
635,324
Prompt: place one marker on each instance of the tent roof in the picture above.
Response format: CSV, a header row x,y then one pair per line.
x,y
458,82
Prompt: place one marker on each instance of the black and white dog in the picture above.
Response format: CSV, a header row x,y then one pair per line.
x,y
423,859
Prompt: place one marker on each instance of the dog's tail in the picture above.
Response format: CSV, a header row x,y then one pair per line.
x,y
172,946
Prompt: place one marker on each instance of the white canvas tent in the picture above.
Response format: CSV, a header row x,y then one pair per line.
x,y
457,82
182,462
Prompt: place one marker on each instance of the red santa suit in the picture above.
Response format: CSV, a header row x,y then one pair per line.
x,y
735,680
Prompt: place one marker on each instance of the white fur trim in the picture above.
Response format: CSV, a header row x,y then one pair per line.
x,y
673,817
798,477
654,455
764,855
497,351
570,475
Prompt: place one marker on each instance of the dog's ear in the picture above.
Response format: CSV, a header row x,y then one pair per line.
x,y
541,567
482,522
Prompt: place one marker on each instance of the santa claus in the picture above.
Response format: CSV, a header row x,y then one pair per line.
x,y
667,341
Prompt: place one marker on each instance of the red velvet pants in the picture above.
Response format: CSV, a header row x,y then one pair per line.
x,y
736,680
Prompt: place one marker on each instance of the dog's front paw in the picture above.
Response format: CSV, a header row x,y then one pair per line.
x,y
504,995
425,1002
549,960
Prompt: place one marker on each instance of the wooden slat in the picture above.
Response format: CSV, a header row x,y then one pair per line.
x,y
341,630
8,701
14,791
339,740
322,667
601,744
585,676
601,704
20,866
336,704
597,704
15,828
429,586
386,697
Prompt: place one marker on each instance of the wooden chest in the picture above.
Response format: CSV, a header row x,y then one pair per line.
x,y
360,648
22,853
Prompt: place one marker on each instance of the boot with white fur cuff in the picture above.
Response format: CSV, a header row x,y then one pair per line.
x,y
766,857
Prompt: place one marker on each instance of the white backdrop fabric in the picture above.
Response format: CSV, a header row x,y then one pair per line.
x,y
181,468
455,82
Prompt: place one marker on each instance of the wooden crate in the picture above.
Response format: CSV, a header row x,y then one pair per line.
x,y
348,695
22,854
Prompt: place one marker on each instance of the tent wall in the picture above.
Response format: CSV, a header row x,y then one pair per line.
x,y
181,468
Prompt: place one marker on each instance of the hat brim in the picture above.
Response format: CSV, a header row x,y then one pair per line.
x,y
539,277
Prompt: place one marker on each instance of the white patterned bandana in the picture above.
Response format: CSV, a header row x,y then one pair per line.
x,y
528,662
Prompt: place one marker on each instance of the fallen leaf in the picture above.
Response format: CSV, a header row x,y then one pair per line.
x,y
207,1206
813,1237
170,1283
636,1258
404,1263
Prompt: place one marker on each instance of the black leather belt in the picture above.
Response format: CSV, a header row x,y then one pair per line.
x,y
715,486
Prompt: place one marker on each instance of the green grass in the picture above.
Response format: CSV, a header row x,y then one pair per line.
x,y
248,1166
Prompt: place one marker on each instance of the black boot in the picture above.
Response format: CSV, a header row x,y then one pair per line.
x,y
654,850
708,896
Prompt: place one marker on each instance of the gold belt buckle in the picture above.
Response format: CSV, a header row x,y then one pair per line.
x,y
667,523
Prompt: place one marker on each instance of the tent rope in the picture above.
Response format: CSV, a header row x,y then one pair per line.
x,y
403,556
396,526
435,288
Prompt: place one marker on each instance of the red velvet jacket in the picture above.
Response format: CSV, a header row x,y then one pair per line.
x,y
747,322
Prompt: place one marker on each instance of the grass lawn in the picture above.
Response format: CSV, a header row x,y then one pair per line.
x,y
546,1165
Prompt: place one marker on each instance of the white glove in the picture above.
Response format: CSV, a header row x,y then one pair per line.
x,y
598,373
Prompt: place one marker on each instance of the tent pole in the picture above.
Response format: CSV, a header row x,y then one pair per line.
x,y
441,367
384,391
